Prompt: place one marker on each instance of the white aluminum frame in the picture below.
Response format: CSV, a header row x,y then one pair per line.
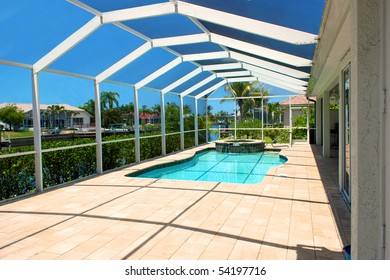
x,y
138,12
159,72
257,27
198,85
258,50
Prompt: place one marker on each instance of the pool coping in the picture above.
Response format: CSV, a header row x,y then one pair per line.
x,y
162,162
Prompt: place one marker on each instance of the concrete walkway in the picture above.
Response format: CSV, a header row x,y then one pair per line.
x,y
287,216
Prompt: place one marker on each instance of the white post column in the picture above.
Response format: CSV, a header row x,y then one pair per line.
x,y
308,121
37,133
341,133
136,127
235,118
290,120
262,118
98,130
387,126
326,126
181,124
319,121
196,123
163,130
207,126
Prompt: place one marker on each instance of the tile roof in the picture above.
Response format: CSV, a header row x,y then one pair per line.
x,y
297,100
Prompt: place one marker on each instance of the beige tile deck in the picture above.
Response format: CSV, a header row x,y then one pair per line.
x,y
295,213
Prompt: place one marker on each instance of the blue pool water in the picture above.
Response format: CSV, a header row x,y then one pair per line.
x,y
213,166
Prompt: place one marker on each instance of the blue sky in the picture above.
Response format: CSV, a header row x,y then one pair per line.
x,y
29,40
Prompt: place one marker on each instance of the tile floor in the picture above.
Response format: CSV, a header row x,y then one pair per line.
x,y
295,213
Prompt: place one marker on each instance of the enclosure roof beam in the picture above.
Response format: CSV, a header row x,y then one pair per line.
x,y
138,12
181,80
265,79
241,79
269,65
124,62
159,72
198,85
275,83
275,75
233,74
67,44
222,66
180,40
253,26
258,50
214,87
205,56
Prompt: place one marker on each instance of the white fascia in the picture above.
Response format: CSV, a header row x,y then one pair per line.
x,y
123,62
253,26
138,12
198,85
158,73
261,51
269,65
180,40
181,80
233,74
241,79
268,73
214,87
205,56
68,44
222,66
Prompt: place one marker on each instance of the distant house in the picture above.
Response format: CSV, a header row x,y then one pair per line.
x,y
298,103
69,117
145,118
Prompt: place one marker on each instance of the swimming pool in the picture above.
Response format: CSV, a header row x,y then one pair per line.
x,y
213,166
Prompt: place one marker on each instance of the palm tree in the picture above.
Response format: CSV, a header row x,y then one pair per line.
x,y
156,108
109,98
53,111
246,89
187,110
89,107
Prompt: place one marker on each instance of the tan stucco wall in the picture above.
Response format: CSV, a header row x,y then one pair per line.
x,y
365,128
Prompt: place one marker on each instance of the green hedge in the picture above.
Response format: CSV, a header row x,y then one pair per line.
x,y
17,176
150,147
67,165
117,154
172,143
18,173
189,140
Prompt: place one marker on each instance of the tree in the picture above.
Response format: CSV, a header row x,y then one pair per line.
x,y
89,107
245,89
271,109
109,98
12,116
172,117
187,110
53,111
156,108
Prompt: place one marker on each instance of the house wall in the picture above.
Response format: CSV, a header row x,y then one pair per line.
x,y
295,111
386,126
365,129
351,33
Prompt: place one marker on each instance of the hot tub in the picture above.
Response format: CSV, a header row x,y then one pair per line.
x,y
239,146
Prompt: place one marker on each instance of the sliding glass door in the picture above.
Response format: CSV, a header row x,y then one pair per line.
x,y
346,186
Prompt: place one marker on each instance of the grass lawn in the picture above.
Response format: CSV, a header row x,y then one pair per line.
x,y
17,134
